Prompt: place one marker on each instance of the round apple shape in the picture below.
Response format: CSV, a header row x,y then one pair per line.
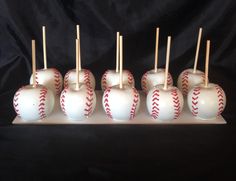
x,y
111,78
51,78
188,79
33,103
152,78
206,102
78,104
86,77
121,103
164,104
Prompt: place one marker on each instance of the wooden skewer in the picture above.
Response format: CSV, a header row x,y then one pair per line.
x,y
34,63
197,50
121,62
77,64
78,37
44,47
77,31
207,62
167,62
117,50
156,50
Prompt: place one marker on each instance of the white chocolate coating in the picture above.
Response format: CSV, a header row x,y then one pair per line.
x,y
187,80
164,104
206,102
51,78
33,103
111,78
85,77
78,104
152,78
121,104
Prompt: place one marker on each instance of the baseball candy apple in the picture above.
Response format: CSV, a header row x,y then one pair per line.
x,y
112,77
121,102
191,77
33,102
165,102
207,100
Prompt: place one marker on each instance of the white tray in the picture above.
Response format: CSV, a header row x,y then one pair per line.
x,y
99,116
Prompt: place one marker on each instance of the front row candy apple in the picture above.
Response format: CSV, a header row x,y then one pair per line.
x,y
78,104
207,100
78,100
33,102
121,102
165,102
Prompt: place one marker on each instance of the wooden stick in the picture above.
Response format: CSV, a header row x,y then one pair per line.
x,y
34,63
121,62
117,50
77,31
78,37
77,64
44,47
197,50
167,62
207,62
156,50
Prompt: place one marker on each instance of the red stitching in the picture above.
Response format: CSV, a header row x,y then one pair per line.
x,y
169,79
106,102
62,101
36,77
87,80
15,101
41,106
175,98
57,81
144,82
185,82
220,95
195,96
89,101
155,104
66,79
104,80
135,103
130,78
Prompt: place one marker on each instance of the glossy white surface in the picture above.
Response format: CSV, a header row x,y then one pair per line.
x,y
99,116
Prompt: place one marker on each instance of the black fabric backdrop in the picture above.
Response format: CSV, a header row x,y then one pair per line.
x,y
116,152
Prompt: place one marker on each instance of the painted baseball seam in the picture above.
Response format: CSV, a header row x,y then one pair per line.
x,y
42,99
87,80
15,102
176,103
104,80
155,104
220,95
89,101
106,103
134,104
144,82
62,101
195,96
57,81
184,82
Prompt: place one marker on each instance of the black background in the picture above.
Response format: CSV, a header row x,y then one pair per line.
x,y
117,152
